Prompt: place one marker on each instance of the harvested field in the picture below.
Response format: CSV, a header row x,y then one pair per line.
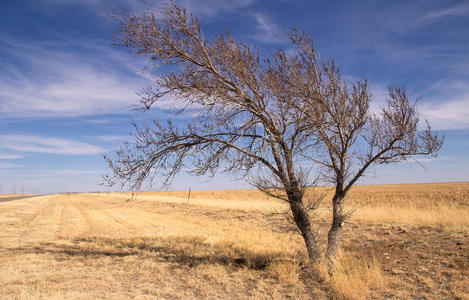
x,y
403,242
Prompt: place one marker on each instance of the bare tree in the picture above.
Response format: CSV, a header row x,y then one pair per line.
x,y
238,125
274,121
349,137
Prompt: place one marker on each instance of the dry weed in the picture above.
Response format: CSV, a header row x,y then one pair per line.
x,y
355,277
285,271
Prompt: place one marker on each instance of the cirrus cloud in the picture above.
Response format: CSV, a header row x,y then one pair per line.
x,y
71,78
39,144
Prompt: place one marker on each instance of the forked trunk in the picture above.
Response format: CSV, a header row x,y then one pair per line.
x,y
302,220
333,236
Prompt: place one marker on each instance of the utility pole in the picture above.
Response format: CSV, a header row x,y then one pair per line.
x,y
189,196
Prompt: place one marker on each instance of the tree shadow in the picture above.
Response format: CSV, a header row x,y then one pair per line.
x,y
70,250
189,251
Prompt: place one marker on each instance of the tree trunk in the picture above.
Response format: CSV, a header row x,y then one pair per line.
x,y
333,236
302,220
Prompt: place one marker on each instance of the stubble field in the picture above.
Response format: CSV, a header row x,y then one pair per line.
x,y
403,242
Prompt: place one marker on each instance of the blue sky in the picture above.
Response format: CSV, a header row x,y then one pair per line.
x,y
66,93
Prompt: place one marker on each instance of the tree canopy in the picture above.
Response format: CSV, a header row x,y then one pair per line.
x,y
284,122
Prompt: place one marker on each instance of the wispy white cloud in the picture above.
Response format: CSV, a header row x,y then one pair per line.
x,y
453,11
113,138
98,121
8,165
267,31
379,95
10,156
210,8
450,114
61,81
39,144
445,103
206,8
65,2
372,32
101,7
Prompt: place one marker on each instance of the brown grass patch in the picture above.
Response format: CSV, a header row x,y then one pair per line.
x,y
404,242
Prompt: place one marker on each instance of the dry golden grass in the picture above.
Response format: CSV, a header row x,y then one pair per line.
x,y
404,241
249,200
357,276
442,204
